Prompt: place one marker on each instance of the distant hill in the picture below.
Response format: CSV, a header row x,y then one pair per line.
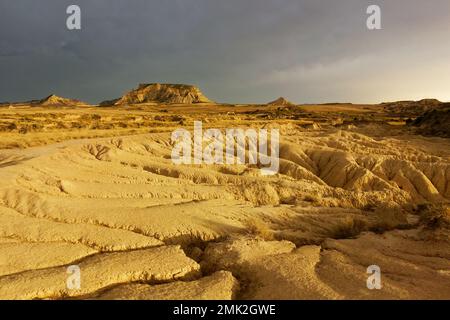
x,y
435,122
281,102
161,93
54,100
411,108
109,103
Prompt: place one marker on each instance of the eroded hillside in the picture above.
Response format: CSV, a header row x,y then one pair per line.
x,y
141,227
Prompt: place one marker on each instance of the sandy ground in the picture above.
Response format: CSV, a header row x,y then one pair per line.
x,y
110,200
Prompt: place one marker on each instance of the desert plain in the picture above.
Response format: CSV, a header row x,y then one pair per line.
x,y
95,186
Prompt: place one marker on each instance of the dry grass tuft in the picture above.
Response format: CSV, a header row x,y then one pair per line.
x,y
313,198
434,216
389,219
259,228
350,227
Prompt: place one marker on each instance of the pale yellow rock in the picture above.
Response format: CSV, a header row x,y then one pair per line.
x,y
274,270
99,271
219,286
44,230
412,266
22,256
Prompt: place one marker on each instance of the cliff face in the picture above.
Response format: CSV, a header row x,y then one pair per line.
x,y
163,93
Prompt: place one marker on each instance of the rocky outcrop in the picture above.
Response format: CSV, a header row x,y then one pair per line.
x,y
54,100
163,93
281,102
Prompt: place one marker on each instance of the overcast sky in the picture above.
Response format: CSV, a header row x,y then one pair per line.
x,y
234,50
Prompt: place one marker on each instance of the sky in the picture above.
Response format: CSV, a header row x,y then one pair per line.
x,y
236,51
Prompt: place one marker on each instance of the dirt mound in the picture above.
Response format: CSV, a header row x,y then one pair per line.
x,y
281,102
54,100
411,108
163,93
434,122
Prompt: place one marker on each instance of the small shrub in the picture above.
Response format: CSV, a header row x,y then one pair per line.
x,y
259,228
388,219
12,126
434,216
313,198
350,227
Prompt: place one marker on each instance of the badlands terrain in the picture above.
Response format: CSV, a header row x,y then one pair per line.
x,y
95,186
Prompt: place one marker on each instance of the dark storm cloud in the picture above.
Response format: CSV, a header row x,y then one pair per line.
x,y
235,50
